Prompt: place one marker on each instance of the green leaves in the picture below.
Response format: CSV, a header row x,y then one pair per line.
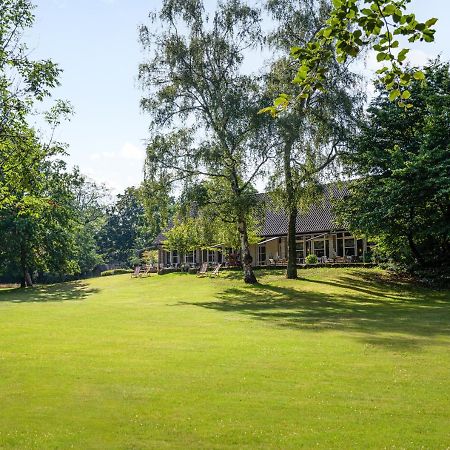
x,y
419,75
394,94
401,205
402,54
378,21
430,22
406,95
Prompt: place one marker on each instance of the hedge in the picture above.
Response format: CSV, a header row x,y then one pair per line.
x,y
108,273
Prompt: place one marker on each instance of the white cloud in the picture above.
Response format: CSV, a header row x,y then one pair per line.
x,y
128,152
418,57
119,168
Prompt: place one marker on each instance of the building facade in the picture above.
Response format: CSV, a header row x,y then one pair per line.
x,y
317,230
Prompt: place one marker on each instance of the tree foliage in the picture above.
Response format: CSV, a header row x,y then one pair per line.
x,y
43,225
401,198
125,230
36,218
203,108
312,133
354,25
201,221
89,200
23,81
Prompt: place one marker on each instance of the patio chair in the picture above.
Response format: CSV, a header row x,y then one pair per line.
x,y
202,271
145,272
136,273
215,273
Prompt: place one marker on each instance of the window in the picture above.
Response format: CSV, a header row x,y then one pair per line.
x,y
340,247
211,256
262,254
190,257
174,257
349,245
166,257
300,251
319,248
360,247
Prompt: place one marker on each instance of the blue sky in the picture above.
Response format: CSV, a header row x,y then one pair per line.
x,y
95,42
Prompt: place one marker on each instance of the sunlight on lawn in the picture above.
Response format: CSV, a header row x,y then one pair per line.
x,y
337,359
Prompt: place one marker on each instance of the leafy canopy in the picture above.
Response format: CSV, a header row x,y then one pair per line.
x,y
401,198
352,26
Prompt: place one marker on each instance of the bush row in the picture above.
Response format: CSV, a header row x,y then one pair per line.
x,y
108,273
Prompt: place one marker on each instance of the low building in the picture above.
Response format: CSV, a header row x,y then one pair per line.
x,y
317,232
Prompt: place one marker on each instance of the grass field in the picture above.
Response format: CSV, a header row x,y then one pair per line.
x,y
342,358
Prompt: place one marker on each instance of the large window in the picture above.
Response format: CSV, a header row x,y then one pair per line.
x,y
349,245
300,251
174,257
345,244
319,248
190,257
262,254
211,256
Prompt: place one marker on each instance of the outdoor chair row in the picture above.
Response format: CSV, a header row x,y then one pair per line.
x,y
143,271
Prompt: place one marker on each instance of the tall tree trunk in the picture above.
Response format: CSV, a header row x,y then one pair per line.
x,y
412,245
26,277
291,272
249,275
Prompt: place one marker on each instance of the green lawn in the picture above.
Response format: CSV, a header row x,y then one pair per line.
x,y
342,358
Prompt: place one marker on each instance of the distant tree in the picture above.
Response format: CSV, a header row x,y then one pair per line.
x,y
49,216
89,202
313,132
124,231
203,109
203,219
37,216
401,198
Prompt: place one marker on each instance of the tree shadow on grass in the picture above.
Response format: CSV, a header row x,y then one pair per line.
x,y
398,317
376,284
72,291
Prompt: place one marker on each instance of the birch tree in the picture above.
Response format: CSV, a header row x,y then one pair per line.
x,y
203,108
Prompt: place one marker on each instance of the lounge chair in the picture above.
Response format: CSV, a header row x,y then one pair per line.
x,y
215,273
203,269
136,273
145,271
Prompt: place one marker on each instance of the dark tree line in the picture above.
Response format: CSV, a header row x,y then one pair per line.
x,y
211,139
401,198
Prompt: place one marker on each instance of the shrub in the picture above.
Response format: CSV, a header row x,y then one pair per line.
x,y
166,270
108,273
311,259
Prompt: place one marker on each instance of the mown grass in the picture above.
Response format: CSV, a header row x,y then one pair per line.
x,y
342,358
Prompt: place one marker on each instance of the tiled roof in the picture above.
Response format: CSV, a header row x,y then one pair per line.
x,y
159,239
319,217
